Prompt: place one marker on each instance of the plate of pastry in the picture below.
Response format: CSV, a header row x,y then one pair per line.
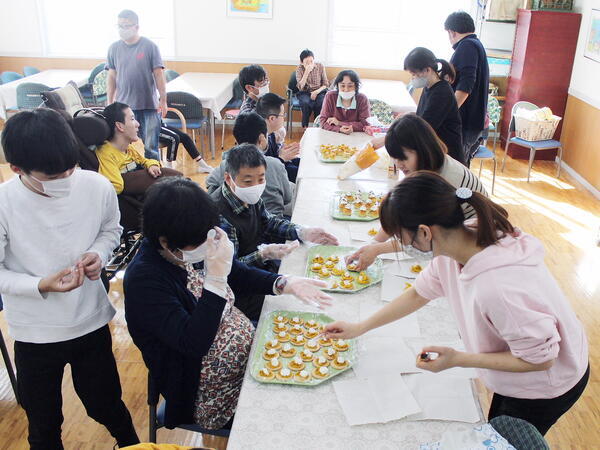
x,y
356,205
327,263
291,350
330,153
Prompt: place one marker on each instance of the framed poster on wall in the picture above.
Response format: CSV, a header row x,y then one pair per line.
x,y
503,10
592,44
250,9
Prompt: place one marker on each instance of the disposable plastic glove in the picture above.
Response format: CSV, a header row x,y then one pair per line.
x,y
316,235
219,254
276,251
307,291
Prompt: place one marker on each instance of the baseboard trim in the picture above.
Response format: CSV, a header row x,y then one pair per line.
x,y
586,184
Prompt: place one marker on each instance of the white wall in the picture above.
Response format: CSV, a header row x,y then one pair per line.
x,y
19,28
586,72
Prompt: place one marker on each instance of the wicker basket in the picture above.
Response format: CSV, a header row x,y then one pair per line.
x,y
552,5
535,130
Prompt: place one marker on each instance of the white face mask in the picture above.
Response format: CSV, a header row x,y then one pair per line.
x,y
416,253
59,188
250,195
347,95
263,90
419,82
194,256
127,33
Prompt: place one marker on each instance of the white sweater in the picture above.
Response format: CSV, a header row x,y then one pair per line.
x,y
40,236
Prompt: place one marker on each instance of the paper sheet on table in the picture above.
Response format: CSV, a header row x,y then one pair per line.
x,y
394,256
415,345
406,327
375,400
403,268
383,356
443,398
392,285
360,231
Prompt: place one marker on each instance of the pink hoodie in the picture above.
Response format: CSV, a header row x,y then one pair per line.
x,y
505,298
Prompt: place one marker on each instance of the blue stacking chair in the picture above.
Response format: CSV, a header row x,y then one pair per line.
x,y
29,95
533,146
519,433
170,75
28,71
292,99
7,362
7,77
232,109
157,415
483,152
87,90
191,108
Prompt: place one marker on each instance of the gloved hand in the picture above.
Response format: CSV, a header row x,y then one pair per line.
x,y
307,291
276,251
219,254
316,235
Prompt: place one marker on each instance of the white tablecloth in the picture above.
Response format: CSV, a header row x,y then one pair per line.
x,y
271,416
54,78
392,92
311,167
213,89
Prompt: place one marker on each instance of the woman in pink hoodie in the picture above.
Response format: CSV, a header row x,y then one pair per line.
x,y
518,328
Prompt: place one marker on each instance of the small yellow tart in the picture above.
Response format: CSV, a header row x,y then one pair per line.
x,y
324,342
336,271
307,355
349,196
320,361
320,372
296,329
372,232
296,364
316,267
280,319
312,345
266,374
282,336
347,284
273,343
347,211
298,340
335,285
373,212
330,353
312,323
340,345
324,273
280,327
311,333
318,259
352,267
340,363
347,276
287,351
303,376
334,259
270,354
362,211
285,374
274,364
329,265
416,268
296,321
363,278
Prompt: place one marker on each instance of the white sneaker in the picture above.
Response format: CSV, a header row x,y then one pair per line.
x,y
168,164
203,167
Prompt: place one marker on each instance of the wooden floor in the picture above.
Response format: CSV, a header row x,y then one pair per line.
x,y
560,212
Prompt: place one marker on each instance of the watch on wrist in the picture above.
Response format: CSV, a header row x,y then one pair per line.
x,y
280,284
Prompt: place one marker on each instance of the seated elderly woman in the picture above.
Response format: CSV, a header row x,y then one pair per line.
x,y
344,109
179,295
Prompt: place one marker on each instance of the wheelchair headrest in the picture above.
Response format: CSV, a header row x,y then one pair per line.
x,y
91,129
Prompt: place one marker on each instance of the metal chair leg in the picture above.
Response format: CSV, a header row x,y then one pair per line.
x,y
494,175
531,158
560,151
505,152
223,136
9,367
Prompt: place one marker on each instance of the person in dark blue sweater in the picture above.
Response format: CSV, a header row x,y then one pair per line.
x,y
179,292
472,79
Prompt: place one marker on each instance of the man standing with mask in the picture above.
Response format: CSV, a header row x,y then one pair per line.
x,y
255,82
135,73
472,79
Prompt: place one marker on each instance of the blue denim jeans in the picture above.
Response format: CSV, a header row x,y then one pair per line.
x,y
149,120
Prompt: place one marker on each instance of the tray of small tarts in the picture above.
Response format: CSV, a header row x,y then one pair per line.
x,y
292,350
355,205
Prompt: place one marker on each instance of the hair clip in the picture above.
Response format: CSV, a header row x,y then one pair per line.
x,y
464,193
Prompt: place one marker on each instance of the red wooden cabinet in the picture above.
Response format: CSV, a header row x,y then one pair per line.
x,y
542,62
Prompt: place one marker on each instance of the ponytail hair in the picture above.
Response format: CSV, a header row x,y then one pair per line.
x,y
425,198
422,58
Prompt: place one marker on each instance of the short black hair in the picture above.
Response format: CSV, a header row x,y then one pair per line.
x,y
113,113
248,127
347,73
460,22
129,15
411,132
270,105
243,155
179,210
250,74
305,54
40,140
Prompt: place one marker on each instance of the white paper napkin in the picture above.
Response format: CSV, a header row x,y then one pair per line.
x,y
382,356
443,398
392,285
415,345
406,327
375,400
360,231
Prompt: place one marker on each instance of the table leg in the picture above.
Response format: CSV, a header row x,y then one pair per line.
x,y
211,125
